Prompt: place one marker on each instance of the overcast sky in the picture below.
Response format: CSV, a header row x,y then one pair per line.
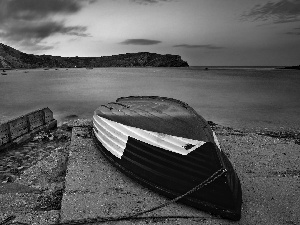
x,y
202,32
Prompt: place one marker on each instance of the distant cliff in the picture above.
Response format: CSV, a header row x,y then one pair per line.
x,y
290,68
12,58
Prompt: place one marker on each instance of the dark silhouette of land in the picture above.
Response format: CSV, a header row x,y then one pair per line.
x,y
11,58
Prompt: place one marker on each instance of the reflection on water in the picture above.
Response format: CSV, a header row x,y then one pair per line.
x,y
239,98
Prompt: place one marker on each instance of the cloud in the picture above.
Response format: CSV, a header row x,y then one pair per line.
x,y
293,33
31,21
197,46
35,47
148,2
36,9
140,42
296,32
283,11
41,30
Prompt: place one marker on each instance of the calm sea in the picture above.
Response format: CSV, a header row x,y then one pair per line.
x,y
239,97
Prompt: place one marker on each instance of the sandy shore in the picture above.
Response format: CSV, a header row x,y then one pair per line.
x,y
268,167
269,170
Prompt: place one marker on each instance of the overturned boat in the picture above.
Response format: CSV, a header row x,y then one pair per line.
x,y
166,145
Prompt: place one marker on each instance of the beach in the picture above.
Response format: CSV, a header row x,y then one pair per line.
x,y
268,167
254,113
269,171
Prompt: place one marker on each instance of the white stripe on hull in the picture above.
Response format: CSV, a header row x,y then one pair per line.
x,y
217,141
114,137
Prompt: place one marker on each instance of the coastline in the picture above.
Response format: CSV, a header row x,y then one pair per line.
x,y
268,165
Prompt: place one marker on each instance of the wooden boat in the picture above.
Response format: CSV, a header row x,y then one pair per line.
x,y
166,145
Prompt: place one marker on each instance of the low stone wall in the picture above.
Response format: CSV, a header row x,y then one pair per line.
x,y
22,128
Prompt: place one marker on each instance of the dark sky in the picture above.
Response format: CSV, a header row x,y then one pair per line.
x,y
203,32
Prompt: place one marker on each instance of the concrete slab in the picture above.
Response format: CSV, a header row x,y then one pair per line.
x,y
95,188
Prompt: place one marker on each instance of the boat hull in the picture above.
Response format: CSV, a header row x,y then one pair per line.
x,y
169,172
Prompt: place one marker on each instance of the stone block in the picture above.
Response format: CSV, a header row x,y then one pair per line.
x,y
18,127
48,115
19,130
4,133
36,119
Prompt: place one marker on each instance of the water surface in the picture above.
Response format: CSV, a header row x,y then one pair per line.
x,y
236,97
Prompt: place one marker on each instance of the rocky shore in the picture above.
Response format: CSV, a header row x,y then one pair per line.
x,y
32,176
14,162
290,68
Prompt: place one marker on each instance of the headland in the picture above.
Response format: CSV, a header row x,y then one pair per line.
x,y
11,58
